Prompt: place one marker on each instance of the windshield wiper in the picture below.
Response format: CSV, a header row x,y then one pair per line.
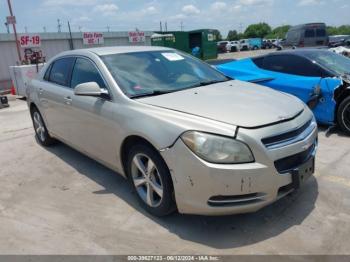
x,y
206,83
211,82
153,93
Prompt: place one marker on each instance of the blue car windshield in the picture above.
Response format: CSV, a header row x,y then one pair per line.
x,y
157,72
338,64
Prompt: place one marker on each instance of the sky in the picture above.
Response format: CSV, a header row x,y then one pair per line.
x,y
127,15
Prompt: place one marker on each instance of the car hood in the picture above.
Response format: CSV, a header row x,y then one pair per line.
x,y
233,102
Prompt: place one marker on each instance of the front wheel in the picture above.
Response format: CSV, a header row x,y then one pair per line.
x,y
343,115
151,179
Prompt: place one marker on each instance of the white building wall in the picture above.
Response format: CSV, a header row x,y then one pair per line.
x,y
52,44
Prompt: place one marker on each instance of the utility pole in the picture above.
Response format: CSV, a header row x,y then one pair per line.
x,y
59,26
44,28
71,38
181,26
160,26
166,26
108,28
26,29
241,28
15,32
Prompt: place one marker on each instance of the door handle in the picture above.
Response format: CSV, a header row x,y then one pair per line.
x,y
68,100
41,91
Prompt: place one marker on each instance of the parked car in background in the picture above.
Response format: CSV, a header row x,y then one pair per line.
x,y
318,77
267,44
222,46
307,35
233,46
250,44
244,44
339,40
143,111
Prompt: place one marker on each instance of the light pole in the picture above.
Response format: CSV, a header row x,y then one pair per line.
x,y
15,32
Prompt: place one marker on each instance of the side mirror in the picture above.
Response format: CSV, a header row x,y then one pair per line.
x,y
88,89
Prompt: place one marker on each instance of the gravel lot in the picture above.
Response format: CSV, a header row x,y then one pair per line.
x,y
57,201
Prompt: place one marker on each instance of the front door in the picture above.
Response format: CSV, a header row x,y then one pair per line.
x,y
93,128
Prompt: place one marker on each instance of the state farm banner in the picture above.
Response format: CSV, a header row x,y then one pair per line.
x,y
137,37
93,38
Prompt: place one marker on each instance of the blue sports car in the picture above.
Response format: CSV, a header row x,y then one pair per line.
x,y
318,77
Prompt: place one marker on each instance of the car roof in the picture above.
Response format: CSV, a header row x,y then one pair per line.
x,y
100,51
299,52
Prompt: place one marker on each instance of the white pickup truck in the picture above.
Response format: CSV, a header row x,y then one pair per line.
x,y
233,46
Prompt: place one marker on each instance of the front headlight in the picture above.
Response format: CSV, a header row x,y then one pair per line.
x,y
217,149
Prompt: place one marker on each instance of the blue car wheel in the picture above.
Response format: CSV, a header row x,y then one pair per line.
x,y
343,115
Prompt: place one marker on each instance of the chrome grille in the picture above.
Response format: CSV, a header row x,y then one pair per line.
x,y
290,137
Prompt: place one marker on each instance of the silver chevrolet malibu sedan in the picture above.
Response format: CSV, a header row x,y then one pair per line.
x,y
187,137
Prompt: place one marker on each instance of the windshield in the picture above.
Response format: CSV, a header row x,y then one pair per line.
x,y
156,72
336,63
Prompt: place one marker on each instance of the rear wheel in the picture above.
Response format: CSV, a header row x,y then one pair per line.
x,y
343,115
40,129
150,177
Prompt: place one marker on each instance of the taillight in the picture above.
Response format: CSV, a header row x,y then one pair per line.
x,y
301,44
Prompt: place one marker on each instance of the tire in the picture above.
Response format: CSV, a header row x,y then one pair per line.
x,y
40,129
343,115
150,178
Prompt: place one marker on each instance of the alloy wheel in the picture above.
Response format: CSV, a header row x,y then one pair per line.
x,y
147,180
39,126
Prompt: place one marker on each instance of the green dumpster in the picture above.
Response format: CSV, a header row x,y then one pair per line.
x,y
167,40
205,40
189,42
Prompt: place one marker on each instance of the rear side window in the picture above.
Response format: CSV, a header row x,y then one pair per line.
x,y
85,71
309,33
291,64
320,32
61,71
47,73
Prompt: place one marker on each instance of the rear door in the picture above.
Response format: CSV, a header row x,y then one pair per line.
x,y
55,96
321,36
310,37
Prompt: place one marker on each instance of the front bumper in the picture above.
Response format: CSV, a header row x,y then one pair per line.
x,y
215,189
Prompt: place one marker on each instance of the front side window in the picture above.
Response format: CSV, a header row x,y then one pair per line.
x,y
85,71
140,73
61,70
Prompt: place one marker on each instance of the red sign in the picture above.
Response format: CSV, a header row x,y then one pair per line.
x,y
26,41
93,38
137,37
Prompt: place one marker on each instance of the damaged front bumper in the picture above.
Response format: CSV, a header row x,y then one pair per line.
x,y
216,189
